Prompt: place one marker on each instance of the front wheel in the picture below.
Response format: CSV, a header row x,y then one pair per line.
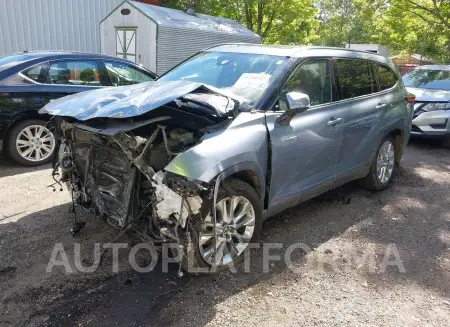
x,y
383,167
238,223
31,143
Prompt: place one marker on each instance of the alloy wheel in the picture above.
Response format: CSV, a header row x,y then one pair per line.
x,y
35,143
385,161
234,229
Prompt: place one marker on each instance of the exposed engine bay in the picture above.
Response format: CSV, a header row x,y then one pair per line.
x,y
121,179
114,168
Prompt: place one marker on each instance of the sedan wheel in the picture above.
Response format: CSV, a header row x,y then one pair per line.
x,y
235,226
31,143
35,143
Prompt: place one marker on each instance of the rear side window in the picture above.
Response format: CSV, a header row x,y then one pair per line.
x,y
385,76
36,73
354,77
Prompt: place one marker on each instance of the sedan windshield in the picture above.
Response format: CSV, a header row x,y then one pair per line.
x,y
428,79
243,74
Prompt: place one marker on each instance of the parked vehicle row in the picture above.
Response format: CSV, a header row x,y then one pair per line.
x,y
228,138
29,81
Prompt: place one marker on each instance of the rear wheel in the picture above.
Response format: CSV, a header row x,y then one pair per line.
x,y
383,167
31,143
238,223
446,143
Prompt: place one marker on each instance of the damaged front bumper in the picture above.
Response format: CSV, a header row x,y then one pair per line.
x,y
114,177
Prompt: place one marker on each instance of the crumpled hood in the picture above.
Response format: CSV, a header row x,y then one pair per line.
x,y
427,95
129,101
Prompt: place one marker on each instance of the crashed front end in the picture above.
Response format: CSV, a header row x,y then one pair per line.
x,y
115,166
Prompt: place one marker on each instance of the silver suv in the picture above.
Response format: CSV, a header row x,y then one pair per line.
x,y
431,86
248,130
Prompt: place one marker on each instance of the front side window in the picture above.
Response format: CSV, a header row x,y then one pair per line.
x,y
354,77
312,78
36,73
385,76
434,79
74,73
246,75
124,74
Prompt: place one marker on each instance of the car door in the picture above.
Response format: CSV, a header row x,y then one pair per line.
x,y
304,153
70,76
364,107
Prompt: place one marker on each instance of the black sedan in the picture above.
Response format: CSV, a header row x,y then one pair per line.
x,y
30,80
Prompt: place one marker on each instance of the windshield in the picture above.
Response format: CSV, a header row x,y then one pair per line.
x,y
243,74
428,79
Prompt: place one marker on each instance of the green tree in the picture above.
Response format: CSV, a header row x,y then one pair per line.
x,y
276,21
434,12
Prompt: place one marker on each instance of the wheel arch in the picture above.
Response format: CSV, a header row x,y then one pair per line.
x,y
399,138
17,119
249,173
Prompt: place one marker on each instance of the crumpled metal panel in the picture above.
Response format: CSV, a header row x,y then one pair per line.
x,y
108,178
124,101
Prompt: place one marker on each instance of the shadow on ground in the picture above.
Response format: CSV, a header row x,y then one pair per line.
x,y
10,168
413,214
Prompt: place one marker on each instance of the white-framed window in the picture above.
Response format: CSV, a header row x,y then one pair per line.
x,y
126,43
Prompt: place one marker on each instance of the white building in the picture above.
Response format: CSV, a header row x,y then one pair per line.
x,y
71,25
159,37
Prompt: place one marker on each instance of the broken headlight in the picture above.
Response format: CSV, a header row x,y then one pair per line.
x,y
436,106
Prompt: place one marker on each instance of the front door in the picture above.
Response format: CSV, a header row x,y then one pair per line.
x,y
304,153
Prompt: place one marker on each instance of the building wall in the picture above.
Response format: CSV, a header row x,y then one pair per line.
x,y
71,25
176,44
146,31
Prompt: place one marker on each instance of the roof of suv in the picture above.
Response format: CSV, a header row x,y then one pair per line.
x,y
299,51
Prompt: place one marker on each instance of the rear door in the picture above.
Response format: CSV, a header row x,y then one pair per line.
x,y
363,108
304,153
20,94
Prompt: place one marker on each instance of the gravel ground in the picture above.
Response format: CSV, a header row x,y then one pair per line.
x,y
329,284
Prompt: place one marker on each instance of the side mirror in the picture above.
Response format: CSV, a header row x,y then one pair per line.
x,y
297,102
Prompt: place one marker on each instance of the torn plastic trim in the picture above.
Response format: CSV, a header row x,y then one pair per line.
x,y
169,203
117,127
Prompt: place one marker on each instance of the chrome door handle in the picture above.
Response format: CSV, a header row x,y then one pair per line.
x,y
381,106
334,121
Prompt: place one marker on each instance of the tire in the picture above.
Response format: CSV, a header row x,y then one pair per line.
x,y
194,261
41,147
373,181
446,143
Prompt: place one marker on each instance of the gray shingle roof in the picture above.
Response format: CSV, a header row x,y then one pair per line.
x,y
178,18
